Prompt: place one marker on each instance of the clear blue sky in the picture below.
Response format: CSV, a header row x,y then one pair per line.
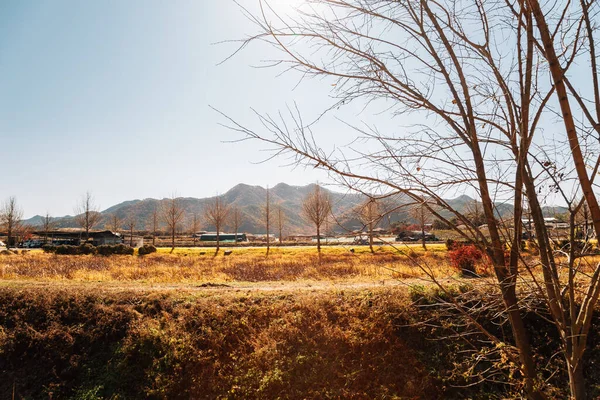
x,y
113,96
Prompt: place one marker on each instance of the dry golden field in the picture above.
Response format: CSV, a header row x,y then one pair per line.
x,y
193,265
292,325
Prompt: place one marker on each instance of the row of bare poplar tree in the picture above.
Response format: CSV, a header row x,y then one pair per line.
x,y
316,208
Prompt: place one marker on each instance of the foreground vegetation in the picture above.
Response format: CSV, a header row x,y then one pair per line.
x,y
358,344
194,325
162,345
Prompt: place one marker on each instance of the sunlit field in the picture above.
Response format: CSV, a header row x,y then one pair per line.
x,y
192,324
200,265
231,266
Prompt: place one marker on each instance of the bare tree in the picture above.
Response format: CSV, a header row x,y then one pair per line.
x,y
172,215
481,111
281,219
422,215
48,225
194,226
130,223
474,212
154,221
236,220
10,218
216,213
583,226
267,216
316,208
370,215
87,215
115,223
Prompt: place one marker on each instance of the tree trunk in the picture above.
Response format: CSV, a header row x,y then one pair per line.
x,y
268,215
567,116
423,228
507,282
577,382
280,235
423,236
319,240
218,242
521,341
371,238
172,240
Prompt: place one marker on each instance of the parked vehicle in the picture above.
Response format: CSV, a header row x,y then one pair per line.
x,y
415,237
360,240
31,244
224,237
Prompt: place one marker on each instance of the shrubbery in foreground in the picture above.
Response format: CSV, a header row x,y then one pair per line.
x,y
146,249
92,345
364,344
85,249
463,258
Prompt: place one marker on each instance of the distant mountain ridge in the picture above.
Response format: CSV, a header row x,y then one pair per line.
x,y
251,201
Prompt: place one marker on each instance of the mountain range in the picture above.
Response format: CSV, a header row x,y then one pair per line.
x,y
251,201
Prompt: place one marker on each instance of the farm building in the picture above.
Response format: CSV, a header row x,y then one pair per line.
x,y
224,237
76,237
261,237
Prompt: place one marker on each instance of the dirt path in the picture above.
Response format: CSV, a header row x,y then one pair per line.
x,y
284,286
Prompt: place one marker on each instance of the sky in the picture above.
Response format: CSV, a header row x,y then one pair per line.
x,y
114,97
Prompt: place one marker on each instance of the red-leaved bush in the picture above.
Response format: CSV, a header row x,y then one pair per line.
x,y
464,258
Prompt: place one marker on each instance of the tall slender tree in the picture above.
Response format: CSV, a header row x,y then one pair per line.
x,y
316,208
216,213
130,223
194,227
154,223
281,220
47,224
370,216
115,223
267,216
10,218
236,220
87,215
172,214
422,215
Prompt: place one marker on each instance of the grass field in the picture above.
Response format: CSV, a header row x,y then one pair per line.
x,y
244,326
192,265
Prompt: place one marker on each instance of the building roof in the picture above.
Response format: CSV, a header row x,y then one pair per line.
x,y
76,233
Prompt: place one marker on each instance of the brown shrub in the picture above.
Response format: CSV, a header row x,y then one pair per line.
x,y
156,345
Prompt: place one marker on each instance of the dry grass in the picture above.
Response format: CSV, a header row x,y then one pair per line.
x,y
62,333
352,344
285,264
87,344
394,248
245,265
